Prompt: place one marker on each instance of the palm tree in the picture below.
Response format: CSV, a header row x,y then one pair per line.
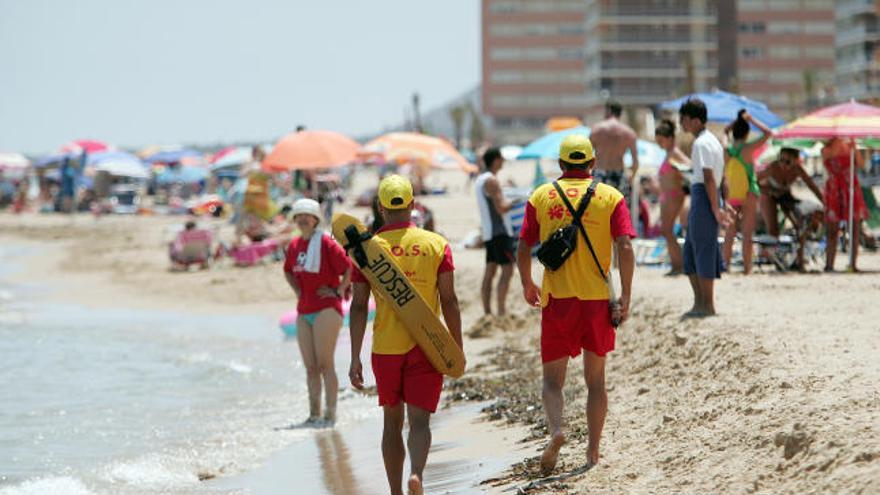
x,y
478,130
457,114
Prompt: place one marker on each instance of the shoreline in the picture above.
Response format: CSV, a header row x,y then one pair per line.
x,y
41,260
777,393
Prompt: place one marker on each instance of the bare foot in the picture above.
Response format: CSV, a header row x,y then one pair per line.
x,y
592,457
414,485
551,453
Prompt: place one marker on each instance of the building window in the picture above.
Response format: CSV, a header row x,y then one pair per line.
x,y
818,27
503,76
751,52
784,27
752,27
752,75
819,51
515,30
785,51
513,6
786,76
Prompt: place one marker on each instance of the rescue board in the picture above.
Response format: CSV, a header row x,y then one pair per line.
x,y
387,280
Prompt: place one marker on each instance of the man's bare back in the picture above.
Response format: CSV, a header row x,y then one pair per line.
x,y
611,138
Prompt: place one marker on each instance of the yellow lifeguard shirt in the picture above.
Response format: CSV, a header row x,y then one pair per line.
x,y
606,218
423,256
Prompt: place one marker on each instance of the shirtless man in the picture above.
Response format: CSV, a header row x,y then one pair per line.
x,y
775,182
611,139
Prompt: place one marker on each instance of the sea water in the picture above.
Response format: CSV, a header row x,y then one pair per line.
x,y
96,401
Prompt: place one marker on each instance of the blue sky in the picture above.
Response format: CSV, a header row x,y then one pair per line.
x,y
134,73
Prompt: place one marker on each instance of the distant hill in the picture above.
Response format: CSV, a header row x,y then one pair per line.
x,y
438,122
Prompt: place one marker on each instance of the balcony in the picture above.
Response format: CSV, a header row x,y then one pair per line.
x,y
659,19
681,9
857,35
850,8
665,45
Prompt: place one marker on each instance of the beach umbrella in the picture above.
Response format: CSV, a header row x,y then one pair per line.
x,y
13,165
232,156
420,149
563,123
548,146
182,175
650,155
118,164
88,146
846,120
185,156
511,152
309,150
723,107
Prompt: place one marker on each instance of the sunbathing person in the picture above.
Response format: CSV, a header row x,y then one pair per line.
x,y
775,183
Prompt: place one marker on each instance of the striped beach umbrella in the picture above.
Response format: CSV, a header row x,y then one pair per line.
x,y
420,149
848,121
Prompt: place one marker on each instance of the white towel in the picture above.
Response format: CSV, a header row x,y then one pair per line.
x,y
313,254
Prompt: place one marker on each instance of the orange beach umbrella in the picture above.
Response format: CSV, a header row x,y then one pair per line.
x,y
311,150
412,147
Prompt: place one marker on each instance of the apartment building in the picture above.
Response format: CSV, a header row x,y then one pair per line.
x,y
786,53
540,59
858,49
567,57
652,51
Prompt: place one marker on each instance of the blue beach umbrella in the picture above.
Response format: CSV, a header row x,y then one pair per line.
x,y
650,154
175,156
182,175
118,163
548,146
723,107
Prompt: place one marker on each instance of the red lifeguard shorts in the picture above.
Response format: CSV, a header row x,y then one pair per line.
x,y
570,325
409,377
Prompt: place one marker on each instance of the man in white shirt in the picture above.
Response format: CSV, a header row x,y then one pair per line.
x,y
701,255
497,231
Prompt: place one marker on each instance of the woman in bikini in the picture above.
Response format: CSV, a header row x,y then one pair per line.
x,y
672,190
742,185
318,271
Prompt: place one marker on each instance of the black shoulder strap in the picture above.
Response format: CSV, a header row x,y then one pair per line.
x,y
576,218
355,239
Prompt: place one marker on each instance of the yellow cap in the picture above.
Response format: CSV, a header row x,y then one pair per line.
x,y
576,149
395,192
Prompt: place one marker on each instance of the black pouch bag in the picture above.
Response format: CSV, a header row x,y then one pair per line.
x,y
562,243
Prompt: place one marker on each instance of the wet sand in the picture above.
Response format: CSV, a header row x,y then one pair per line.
x,y
466,450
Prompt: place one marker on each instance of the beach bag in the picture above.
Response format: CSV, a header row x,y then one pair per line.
x,y
561,244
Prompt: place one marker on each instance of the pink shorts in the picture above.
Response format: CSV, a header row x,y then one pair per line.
x,y
570,325
409,378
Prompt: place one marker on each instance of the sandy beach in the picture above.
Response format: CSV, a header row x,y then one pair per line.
x,y
777,394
